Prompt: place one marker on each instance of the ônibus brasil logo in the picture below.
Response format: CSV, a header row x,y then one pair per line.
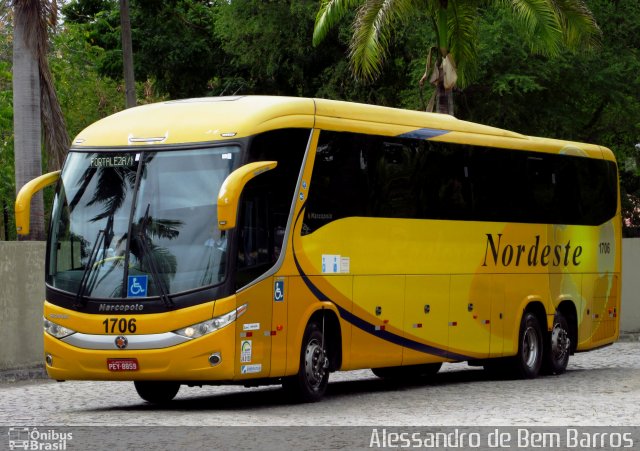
x,y
33,439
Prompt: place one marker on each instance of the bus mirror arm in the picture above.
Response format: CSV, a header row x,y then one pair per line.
x,y
23,200
231,189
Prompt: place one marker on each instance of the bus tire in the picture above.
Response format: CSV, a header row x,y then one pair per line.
x,y
528,361
558,348
157,392
310,384
409,372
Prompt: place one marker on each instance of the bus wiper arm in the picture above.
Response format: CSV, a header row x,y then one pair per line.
x,y
151,260
80,301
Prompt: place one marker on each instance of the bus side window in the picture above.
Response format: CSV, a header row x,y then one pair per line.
x,y
339,184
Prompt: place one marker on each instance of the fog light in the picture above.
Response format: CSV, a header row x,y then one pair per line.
x,y
49,359
215,359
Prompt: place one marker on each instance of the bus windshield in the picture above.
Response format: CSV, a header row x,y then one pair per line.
x,y
139,224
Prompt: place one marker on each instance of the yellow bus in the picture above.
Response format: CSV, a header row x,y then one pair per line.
x,y
265,240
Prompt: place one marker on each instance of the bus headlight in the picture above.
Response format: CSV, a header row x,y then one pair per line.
x,y
211,325
57,330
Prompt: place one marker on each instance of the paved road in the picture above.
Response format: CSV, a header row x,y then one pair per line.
x,y
600,388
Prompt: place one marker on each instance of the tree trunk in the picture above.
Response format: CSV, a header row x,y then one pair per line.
x,y
127,54
26,115
444,99
5,221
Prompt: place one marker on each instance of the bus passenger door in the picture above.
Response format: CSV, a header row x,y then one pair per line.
x,y
470,315
254,258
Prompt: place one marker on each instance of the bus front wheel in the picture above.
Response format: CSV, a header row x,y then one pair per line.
x,y
310,384
528,361
157,392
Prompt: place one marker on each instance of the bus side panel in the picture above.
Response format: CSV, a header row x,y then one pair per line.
x,y
470,315
379,300
279,326
426,315
498,305
601,292
253,331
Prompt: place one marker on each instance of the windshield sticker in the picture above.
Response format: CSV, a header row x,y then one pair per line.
x,y
115,161
137,286
248,369
227,156
245,351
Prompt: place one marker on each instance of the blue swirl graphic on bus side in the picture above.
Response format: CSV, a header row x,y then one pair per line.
x,y
423,133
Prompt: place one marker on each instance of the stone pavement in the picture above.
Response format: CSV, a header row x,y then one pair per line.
x,y
600,388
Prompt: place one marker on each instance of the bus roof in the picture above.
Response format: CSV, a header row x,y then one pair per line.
x,y
224,118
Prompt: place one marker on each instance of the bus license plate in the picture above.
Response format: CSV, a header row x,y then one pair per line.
x,y
122,364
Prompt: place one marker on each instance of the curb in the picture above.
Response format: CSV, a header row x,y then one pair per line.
x,y
629,337
23,374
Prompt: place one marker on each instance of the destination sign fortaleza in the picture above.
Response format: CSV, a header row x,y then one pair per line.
x,y
499,253
112,161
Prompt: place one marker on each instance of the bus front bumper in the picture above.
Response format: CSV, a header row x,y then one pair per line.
x,y
187,361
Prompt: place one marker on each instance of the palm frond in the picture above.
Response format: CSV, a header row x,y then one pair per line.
x,y
371,34
463,35
578,24
541,24
330,13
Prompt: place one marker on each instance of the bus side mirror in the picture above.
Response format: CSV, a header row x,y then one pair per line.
x,y
231,189
23,200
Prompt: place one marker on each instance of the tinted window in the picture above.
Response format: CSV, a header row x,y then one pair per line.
x,y
376,176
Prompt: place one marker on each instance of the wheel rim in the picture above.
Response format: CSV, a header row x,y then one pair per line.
x,y
315,364
560,343
530,348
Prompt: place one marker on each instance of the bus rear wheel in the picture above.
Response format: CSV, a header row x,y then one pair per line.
x,y
558,349
527,362
311,382
157,392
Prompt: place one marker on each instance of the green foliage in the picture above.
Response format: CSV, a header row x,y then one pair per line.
x,y
186,48
84,95
588,96
7,179
174,42
268,47
547,26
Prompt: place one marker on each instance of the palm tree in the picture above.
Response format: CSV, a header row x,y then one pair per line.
x,y
127,54
549,25
35,101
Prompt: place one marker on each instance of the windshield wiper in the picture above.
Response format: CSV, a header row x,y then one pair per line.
x,y
80,301
151,260
89,277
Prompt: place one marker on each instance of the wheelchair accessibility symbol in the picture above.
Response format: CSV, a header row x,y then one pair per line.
x,y
278,291
137,286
